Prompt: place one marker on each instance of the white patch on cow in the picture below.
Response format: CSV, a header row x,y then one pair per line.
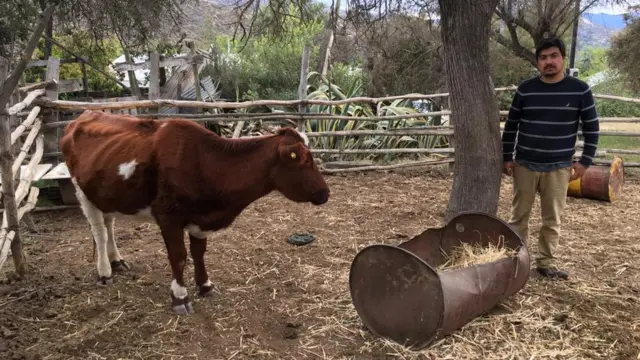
x,y
178,291
98,229
195,231
208,283
163,125
304,137
127,169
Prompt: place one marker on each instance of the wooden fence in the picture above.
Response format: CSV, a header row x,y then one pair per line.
x,y
303,118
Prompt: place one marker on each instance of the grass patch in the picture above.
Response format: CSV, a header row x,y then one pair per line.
x,y
621,142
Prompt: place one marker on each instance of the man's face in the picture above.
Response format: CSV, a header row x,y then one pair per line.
x,y
550,62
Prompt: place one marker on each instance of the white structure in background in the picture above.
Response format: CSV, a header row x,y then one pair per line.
x,y
142,76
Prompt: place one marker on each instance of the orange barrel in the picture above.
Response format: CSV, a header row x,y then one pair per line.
x,y
599,182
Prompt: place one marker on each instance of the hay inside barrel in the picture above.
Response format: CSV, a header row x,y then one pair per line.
x,y
467,255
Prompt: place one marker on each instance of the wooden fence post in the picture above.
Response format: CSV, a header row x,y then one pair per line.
x,y
452,138
196,83
85,79
194,68
302,89
154,80
8,186
51,135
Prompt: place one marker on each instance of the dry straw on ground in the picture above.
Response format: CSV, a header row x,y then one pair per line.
x,y
278,301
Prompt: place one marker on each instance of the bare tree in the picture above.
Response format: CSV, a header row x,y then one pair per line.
x,y
478,159
538,19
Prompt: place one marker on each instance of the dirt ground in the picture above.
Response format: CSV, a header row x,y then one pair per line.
x,y
279,301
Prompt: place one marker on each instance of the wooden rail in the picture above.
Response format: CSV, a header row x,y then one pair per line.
x,y
79,105
299,117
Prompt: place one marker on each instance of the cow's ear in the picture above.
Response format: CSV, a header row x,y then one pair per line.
x,y
284,131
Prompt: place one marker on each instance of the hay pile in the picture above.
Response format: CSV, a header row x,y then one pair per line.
x,y
469,255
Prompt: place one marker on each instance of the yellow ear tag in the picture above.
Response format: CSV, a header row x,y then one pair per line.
x,y
293,155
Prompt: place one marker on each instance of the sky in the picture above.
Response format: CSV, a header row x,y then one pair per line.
x,y
610,9
613,9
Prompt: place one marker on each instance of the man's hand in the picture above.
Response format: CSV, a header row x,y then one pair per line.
x,y
508,168
577,170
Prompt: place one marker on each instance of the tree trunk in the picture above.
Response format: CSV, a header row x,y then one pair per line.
x,y
475,115
48,31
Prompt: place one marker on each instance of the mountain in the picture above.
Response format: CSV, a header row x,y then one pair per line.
x,y
596,29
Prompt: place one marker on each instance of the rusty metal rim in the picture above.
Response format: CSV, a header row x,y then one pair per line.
x,y
414,257
494,217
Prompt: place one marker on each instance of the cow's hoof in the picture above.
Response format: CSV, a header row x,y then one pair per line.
x,y
207,291
120,266
104,281
182,306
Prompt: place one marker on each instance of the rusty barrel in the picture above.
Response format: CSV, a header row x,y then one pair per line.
x,y
599,182
399,295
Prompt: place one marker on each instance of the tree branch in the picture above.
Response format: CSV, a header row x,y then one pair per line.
x,y
516,47
12,80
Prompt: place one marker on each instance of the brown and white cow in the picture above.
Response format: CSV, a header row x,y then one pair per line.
x,y
181,176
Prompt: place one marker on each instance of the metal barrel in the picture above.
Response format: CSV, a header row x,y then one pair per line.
x,y
599,182
399,295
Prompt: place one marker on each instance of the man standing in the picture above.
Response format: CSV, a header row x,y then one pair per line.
x,y
542,128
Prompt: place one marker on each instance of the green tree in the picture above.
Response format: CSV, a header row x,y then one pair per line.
x,y
266,66
100,55
139,25
591,60
624,54
139,22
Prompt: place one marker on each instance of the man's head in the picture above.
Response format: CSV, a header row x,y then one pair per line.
x,y
550,55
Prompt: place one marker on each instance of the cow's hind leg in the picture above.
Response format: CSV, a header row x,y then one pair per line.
x,y
198,246
174,240
117,262
95,218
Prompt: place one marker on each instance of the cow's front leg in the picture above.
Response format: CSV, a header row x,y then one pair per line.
x,y
198,246
174,240
95,218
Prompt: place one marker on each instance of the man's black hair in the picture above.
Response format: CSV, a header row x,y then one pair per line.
x,y
549,43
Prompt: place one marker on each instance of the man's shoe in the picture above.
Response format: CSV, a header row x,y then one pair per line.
x,y
553,272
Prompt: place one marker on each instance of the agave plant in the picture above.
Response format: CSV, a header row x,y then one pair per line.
x,y
360,113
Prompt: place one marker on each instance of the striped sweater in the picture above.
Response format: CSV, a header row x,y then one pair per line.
x,y
542,125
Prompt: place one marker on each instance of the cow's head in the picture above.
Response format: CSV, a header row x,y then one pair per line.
x,y
296,175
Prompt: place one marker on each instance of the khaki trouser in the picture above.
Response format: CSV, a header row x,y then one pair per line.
x,y
552,187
